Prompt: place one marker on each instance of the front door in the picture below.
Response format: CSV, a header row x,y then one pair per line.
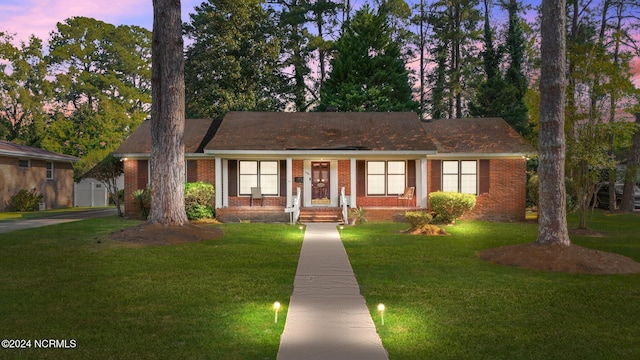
x,y
320,184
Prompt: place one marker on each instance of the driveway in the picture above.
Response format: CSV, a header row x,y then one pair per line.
x,y
13,225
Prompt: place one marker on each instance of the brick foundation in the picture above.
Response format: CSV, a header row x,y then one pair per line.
x,y
254,214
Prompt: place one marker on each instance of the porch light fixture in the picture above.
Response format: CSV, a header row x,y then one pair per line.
x,y
381,310
276,307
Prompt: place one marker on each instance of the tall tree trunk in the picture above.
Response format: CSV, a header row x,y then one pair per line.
x,y
167,116
552,216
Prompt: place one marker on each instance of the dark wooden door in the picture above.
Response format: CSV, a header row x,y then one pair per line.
x,y
320,182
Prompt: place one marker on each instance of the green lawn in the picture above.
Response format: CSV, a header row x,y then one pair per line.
x,y
442,302
214,299
202,300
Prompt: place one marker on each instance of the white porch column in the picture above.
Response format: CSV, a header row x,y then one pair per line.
x,y
423,184
289,182
218,184
225,182
352,198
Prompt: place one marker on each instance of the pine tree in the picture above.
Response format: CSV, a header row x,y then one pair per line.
x,y
503,95
491,97
367,71
517,83
454,47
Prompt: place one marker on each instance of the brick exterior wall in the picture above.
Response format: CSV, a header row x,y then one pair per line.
x,y
344,176
506,199
384,201
58,192
133,179
254,214
201,170
136,176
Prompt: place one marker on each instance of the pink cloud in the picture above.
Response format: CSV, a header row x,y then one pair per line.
x,y
39,17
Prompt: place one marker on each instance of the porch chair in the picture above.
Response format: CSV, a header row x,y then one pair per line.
x,y
408,195
256,194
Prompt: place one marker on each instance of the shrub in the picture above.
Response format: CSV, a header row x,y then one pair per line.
x,y
142,199
450,206
26,200
197,200
418,219
360,214
197,212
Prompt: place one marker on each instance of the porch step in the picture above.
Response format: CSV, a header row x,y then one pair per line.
x,y
311,215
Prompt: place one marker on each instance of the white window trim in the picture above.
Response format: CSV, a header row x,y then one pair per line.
x,y
49,173
459,175
386,176
259,176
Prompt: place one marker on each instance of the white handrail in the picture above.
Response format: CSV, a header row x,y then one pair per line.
x,y
343,201
295,209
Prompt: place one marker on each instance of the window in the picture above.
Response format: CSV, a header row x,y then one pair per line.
x,y
263,174
386,177
49,171
23,164
460,176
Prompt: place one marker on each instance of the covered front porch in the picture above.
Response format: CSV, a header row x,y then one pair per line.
x,y
321,182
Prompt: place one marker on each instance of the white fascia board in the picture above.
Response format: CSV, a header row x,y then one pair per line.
x,y
198,156
27,155
144,156
305,154
462,156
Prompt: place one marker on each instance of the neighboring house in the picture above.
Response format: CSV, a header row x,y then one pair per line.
x,y
93,192
373,156
27,168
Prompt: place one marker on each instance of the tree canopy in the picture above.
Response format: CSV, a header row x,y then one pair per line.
x,y
367,71
235,59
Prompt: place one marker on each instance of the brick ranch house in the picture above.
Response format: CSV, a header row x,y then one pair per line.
x,y
373,156
25,168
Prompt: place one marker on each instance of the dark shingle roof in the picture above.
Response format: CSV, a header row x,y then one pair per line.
x,y
197,132
17,150
335,131
476,136
320,131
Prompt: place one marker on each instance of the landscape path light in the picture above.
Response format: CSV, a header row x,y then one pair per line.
x,y
276,307
381,309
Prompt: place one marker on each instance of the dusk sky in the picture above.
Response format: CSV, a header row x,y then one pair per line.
x,y
39,17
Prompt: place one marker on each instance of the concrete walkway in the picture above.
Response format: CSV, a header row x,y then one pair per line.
x,y
55,218
327,317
